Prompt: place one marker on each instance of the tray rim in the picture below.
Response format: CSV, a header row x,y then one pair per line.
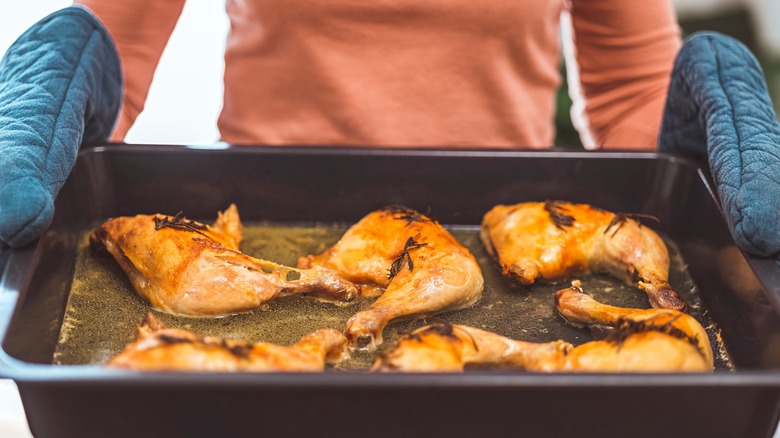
x,y
17,273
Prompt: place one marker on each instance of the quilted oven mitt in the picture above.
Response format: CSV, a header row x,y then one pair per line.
x,y
718,107
60,84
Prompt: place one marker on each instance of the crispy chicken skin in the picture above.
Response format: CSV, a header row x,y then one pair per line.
x,y
554,240
418,267
184,267
642,340
158,348
444,347
648,339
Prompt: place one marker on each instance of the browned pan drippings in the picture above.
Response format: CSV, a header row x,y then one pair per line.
x,y
103,311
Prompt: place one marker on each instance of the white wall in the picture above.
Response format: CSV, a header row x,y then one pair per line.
x,y
186,96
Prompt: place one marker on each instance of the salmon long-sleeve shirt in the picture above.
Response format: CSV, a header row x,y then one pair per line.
x,y
451,73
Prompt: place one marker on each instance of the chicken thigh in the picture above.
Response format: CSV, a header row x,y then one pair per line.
x,y
642,340
158,348
553,240
184,267
418,267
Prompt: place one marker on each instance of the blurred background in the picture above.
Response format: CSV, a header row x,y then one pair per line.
x,y
186,95
754,22
185,98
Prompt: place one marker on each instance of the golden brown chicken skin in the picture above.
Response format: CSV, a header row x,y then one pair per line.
x,y
418,267
444,347
554,240
158,348
643,340
184,267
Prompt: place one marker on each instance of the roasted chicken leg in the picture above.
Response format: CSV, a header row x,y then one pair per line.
x,y
418,267
158,348
554,240
184,267
642,340
444,347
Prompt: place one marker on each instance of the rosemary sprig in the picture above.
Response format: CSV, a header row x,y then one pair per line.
x,y
404,257
620,218
558,214
626,328
401,212
179,222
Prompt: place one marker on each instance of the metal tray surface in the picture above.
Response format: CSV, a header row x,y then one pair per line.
x,y
285,189
103,311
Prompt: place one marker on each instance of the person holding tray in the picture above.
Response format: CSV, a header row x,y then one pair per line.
x,y
398,74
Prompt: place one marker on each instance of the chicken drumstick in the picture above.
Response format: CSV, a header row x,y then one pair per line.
x,y
553,240
184,267
158,348
643,340
418,267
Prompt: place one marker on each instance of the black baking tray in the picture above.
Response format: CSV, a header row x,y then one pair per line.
x,y
741,295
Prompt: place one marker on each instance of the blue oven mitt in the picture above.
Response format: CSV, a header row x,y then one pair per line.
x,y
60,85
718,107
